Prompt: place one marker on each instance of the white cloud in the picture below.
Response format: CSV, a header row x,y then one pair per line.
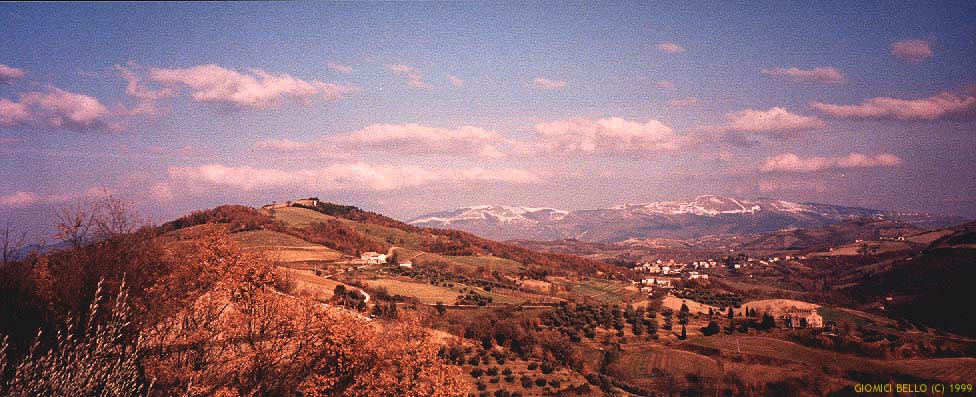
x,y
789,162
8,74
943,106
826,75
257,89
339,68
912,50
547,84
401,139
612,135
411,74
670,47
774,120
55,108
19,199
338,177
455,81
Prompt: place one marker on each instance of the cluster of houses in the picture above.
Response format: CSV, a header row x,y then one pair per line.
x,y
672,267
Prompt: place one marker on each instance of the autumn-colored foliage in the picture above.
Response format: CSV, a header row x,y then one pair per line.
x,y
239,218
336,235
199,318
242,337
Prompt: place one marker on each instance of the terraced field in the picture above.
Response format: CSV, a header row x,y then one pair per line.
x,y
639,360
602,290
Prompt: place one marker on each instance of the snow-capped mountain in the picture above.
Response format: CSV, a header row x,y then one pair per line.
x,y
703,216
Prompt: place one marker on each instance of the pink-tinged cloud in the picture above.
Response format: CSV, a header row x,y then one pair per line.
x,y
774,120
665,85
670,47
943,106
61,109
607,136
339,68
13,113
256,89
825,75
8,74
146,97
410,74
684,102
455,81
547,84
414,139
9,140
912,50
789,162
338,177
19,200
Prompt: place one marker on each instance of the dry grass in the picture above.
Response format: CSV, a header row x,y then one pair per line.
x,y
675,303
779,307
424,292
299,217
284,247
100,361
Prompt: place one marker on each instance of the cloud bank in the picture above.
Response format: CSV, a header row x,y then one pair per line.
x,y
790,162
357,176
942,106
825,75
774,120
256,89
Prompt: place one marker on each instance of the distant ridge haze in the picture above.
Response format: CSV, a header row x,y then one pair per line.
x,y
702,216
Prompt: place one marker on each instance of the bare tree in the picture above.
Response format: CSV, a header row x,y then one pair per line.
x,y
74,223
113,217
100,218
11,242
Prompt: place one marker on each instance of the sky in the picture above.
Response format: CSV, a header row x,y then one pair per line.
x,y
410,108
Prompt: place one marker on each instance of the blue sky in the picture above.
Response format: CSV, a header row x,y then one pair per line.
x,y
407,108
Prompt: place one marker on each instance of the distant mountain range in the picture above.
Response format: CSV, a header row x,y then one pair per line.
x,y
703,216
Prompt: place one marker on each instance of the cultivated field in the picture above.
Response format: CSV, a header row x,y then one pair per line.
x,y
943,369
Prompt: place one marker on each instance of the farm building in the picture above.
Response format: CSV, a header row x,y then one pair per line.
x,y
804,319
373,258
